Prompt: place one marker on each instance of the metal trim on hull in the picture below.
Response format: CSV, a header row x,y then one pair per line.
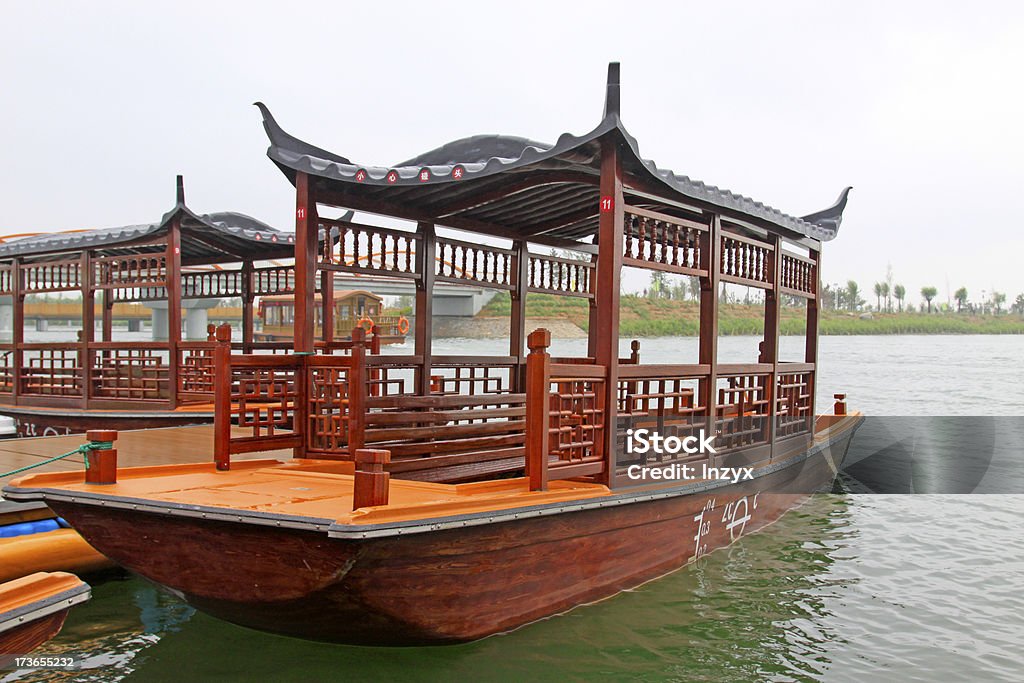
x,y
368,531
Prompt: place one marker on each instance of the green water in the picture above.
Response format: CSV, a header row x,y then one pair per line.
x,y
846,587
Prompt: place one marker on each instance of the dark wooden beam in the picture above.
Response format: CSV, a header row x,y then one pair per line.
x,y
248,301
424,306
813,308
88,325
306,229
173,279
770,348
343,201
710,247
517,323
18,315
609,272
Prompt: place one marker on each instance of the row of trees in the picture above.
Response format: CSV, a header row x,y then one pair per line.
x,y
845,298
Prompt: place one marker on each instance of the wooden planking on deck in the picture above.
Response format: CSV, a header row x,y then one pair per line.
x,y
135,448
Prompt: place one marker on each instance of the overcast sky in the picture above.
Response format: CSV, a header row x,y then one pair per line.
x,y
918,106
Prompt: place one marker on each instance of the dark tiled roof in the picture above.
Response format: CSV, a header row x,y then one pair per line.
x,y
414,182
203,237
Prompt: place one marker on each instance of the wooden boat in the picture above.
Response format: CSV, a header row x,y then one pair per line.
x,y
33,610
437,499
184,261
44,546
352,308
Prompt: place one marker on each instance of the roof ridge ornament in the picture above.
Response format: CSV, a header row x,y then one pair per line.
x,y
611,94
832,216
180,196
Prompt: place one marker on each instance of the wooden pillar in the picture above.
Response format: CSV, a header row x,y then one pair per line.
x,y
592,313
710,248
87,284
327,305
770,348
248,299
18,322
173,287
222,399
108,315
811,346
424,305
538,389
517,324
357,380
306,228
609,272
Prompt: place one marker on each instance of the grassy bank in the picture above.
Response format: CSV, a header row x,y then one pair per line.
x,y
643,317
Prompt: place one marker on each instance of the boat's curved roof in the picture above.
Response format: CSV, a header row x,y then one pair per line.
x,y
205,237
464,166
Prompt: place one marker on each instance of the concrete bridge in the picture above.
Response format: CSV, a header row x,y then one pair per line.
x,y
450,301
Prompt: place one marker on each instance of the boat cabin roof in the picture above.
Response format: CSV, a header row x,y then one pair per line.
x,y
517,187
205,238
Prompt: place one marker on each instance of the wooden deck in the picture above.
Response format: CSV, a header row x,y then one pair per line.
x,y
314,489
135,448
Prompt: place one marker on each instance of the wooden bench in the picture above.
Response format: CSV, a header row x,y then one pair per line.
x,y
449,438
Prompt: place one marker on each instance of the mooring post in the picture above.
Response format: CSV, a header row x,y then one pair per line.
x,y
371,481
840,407
101,464
222,399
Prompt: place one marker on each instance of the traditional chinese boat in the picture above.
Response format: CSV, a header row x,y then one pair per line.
x,y
352,308
438,499
33,610
173,273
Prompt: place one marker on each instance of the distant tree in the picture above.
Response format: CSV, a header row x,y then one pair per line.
x,y
658,288
878,296
829,297
998,299
853,300
888,287
928,293
1018,305
679,289
961,299
900,292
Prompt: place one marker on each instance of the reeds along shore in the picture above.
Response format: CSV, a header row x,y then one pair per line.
x,y
646,317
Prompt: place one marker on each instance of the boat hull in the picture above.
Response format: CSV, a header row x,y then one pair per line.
x,y
442,586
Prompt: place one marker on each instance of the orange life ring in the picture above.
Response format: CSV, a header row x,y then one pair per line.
x,y
403,325
366,323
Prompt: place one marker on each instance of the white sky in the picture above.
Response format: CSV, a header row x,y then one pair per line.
x,y
919,106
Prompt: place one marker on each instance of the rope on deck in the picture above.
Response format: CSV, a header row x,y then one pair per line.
x,y
83,449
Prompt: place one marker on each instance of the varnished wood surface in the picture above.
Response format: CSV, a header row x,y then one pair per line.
x,y
441,586
135,448
24,639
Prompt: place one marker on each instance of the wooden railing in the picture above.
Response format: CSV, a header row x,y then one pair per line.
x,y
368,249
658,241
556,275
480,264
746,261
799,275
565,416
